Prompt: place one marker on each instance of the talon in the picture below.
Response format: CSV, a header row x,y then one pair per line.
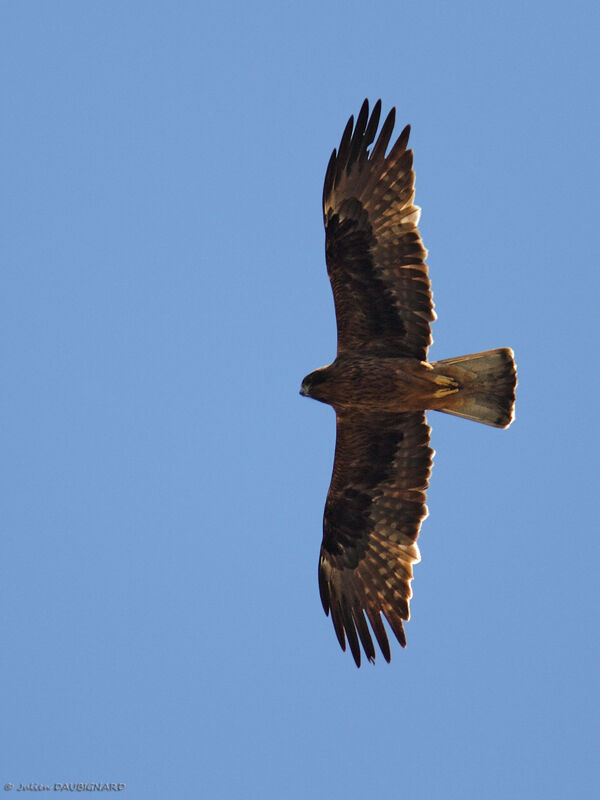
x,y
446,390
444,380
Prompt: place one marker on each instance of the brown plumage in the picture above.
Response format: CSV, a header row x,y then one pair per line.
x,y
380,385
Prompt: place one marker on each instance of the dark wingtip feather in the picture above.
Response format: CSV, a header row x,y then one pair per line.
x,y
329,176
324,592
396,625
344,149
358,136
363,632
338,625
400,146
350,630
384,136
405,135
372,126
380,634
363,116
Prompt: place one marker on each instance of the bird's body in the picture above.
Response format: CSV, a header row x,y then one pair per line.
x,y
381,383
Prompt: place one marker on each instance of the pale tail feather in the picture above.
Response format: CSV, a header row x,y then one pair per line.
x,y
487,386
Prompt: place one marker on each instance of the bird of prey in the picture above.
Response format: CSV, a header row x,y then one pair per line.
x,y
381,384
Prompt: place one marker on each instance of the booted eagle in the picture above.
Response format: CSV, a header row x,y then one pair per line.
x,y
381,384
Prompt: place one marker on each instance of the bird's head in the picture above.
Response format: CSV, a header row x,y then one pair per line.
x,y
314,383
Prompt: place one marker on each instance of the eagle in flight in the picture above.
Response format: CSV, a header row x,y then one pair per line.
x,y
381,384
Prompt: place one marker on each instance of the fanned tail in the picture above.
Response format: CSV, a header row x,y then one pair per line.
x,y
487,386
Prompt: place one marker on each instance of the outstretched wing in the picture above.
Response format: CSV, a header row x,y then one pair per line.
x,y
373,514
375,256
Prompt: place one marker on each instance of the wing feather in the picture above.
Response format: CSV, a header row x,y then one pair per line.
x,y
363,631
344,148
379,631
375,256
384,137
373,514
358,136
372,126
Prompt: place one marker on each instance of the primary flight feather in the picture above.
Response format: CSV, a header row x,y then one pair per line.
x,y
380,385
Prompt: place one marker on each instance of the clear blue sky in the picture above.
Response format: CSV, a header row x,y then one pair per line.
x,y
163,294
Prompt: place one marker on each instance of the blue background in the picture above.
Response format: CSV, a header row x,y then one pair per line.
x,y
164,292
